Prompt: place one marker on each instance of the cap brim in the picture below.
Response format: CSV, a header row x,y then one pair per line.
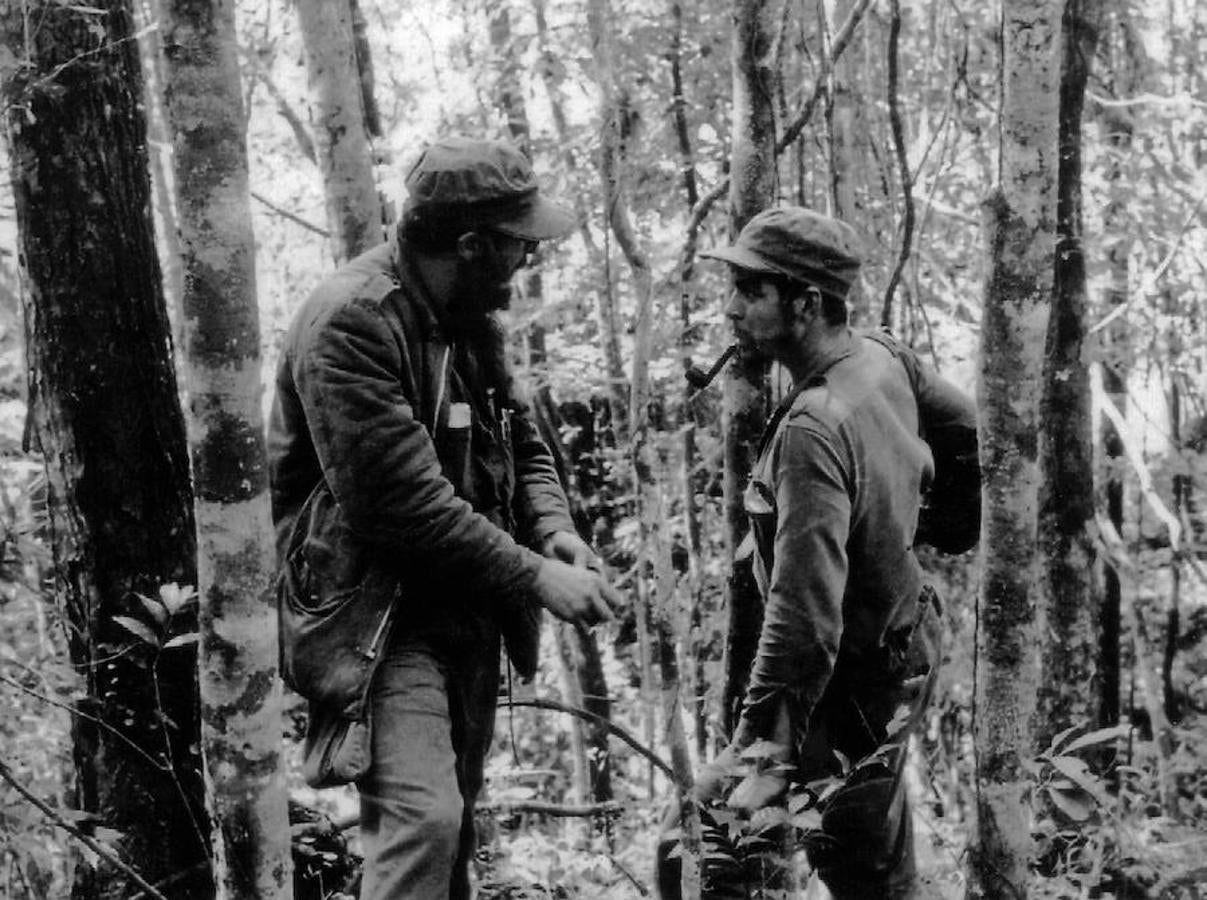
x,y
742,258
539,220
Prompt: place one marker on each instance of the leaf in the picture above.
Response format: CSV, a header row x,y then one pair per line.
x,y
1077,771
809,820
802,801
1075,806
1060,739
768,817
900,719
175,597
763,749
138,629
158,611
182,640
1101,736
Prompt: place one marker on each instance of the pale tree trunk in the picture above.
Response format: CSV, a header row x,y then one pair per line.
x,y
847,148
1070,692
578,652
338,118
653,606
697,658
753,186
1020,230
1124,72
105,415
241,698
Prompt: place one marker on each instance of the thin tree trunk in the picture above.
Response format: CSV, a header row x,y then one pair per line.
x,y
106,417
847,129
1020,230
240,689
353,205
1070,690
753,185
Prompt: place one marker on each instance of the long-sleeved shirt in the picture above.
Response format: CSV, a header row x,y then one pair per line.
x,y
834,502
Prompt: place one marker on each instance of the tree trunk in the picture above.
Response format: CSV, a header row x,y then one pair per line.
x,y
1117,126
847,152
240,688
1070,692
1020,235
338,118
745,399
105,414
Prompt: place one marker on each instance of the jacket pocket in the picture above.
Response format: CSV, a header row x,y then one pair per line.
x,y
336,609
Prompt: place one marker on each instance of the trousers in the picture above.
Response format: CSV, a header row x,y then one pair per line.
x,y
433,722
864,848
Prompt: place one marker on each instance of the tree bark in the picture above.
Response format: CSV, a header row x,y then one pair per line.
x,y
847,151
241,694
753,187
1020,231
1070,690
106,418
338,117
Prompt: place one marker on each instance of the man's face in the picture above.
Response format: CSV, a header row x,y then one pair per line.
x,y
483,282
756,313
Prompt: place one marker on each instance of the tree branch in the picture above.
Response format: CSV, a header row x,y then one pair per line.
x,y
907,178
91,843
555,810
791,133
292,217
611,727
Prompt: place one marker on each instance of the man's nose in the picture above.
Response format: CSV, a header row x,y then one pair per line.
x,y
733,305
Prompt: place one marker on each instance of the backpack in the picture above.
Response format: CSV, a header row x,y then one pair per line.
x,y
950,517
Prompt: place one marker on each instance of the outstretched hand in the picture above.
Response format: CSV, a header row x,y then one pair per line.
x,y
575,594
570,548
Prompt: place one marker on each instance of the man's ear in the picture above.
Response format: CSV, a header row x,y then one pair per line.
x,y
808,304
470,245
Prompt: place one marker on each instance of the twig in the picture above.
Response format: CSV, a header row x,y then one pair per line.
x,y
1134,454
907,178
91,843
620,867
555,810
292,217
607,724
75,711
791,133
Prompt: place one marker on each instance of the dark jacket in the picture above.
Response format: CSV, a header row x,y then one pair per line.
x,y
834,503
439,511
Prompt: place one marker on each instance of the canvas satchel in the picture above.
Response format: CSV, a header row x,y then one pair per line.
x,y
336,611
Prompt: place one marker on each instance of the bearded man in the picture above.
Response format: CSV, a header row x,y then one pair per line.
x,y
406,473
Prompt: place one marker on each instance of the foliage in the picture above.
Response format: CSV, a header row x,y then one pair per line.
x,y
1100,825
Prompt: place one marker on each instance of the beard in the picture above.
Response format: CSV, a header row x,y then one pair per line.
x,y
479,289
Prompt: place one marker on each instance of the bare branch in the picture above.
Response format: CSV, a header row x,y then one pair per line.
x,y
907,178
791,133
87,840
611,727
292,217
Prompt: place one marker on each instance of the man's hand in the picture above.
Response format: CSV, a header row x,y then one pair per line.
x,y
575,594
714,778
570,548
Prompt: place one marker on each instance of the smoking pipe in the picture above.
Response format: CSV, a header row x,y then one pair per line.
x,y
699,378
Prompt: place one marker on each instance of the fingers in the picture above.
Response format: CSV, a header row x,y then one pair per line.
x,y
612,597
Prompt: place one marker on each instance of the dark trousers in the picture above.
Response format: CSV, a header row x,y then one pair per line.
x,y
864,848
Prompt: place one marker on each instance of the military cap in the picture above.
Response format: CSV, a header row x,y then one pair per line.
x,y
490,183
800,244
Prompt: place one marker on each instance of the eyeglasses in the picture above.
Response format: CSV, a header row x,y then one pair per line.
x,y
497,237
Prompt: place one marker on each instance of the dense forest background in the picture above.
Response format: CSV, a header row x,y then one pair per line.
x,y
889,113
